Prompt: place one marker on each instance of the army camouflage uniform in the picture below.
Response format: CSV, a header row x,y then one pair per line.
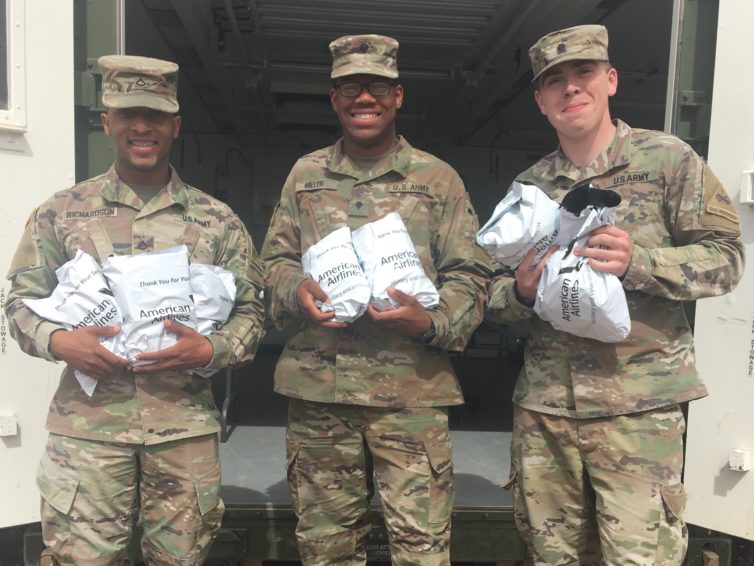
x,y
364,383
167,419
598,423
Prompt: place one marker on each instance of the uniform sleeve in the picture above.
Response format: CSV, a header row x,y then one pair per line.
x,y
236,342
32,276
463,270
707,258
281,257
504,306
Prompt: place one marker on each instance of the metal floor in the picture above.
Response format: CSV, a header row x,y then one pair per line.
x,y
253,464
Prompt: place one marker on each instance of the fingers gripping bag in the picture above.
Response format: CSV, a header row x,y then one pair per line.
x,y
525,219
151,287
332,262
82,298
214,292
571,295
389,259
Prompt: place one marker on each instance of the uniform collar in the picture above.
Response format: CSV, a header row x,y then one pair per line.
x,y
398,160
116,191
616,155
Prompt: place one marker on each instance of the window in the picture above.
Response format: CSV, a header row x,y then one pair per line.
x,y
12,66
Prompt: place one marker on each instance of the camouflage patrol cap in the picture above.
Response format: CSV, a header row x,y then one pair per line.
x,y
364,54
588,42
129,81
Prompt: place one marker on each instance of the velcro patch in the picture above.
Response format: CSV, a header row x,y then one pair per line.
x,y
409,188
85,214
625,177
317,185
721,205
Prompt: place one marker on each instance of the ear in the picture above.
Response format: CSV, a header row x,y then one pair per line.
x,y
398,93
333,94
105,119
177,121
538,100
612,81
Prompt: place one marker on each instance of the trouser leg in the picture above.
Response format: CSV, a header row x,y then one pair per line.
x,y
600,491
326,480
413,469
635,464
88,494
181,509
553,502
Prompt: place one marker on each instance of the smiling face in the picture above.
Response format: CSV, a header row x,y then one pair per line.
x,y
143,138
574,97
368,121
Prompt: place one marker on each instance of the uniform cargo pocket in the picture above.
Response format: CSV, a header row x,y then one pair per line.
x,y
441,487
440,457
56,485
674,501
208,490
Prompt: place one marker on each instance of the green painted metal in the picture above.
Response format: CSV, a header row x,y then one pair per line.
x,y
694,72
96,32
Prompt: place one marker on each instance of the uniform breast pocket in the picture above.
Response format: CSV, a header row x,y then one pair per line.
x,y
79,238
418,213
642,204
201,241
322,211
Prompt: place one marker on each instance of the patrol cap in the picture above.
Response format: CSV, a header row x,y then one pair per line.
x,y
588,42
364,54
129,81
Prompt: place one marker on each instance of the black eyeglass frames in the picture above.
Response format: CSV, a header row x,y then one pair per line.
x,y
375,88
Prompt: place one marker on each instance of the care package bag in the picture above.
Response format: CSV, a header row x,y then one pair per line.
x,y
525,219
214,292
149,288
82,298
389,259
571,295
332,262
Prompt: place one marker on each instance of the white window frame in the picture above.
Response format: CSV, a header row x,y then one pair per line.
x,y
14,118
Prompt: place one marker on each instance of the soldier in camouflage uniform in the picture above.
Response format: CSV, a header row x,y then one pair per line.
x,y
149,430
597,448
378,387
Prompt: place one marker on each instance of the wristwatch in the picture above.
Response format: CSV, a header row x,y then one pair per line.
x,y
429,335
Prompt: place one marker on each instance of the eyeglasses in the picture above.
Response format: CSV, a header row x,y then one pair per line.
x,y
352,90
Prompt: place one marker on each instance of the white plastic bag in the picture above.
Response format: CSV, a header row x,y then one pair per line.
x,y
149,288
332,262
82,298
214,292
525,219
571,295
389,259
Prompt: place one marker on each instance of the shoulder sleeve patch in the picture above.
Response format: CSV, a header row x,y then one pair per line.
x,y
717,211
